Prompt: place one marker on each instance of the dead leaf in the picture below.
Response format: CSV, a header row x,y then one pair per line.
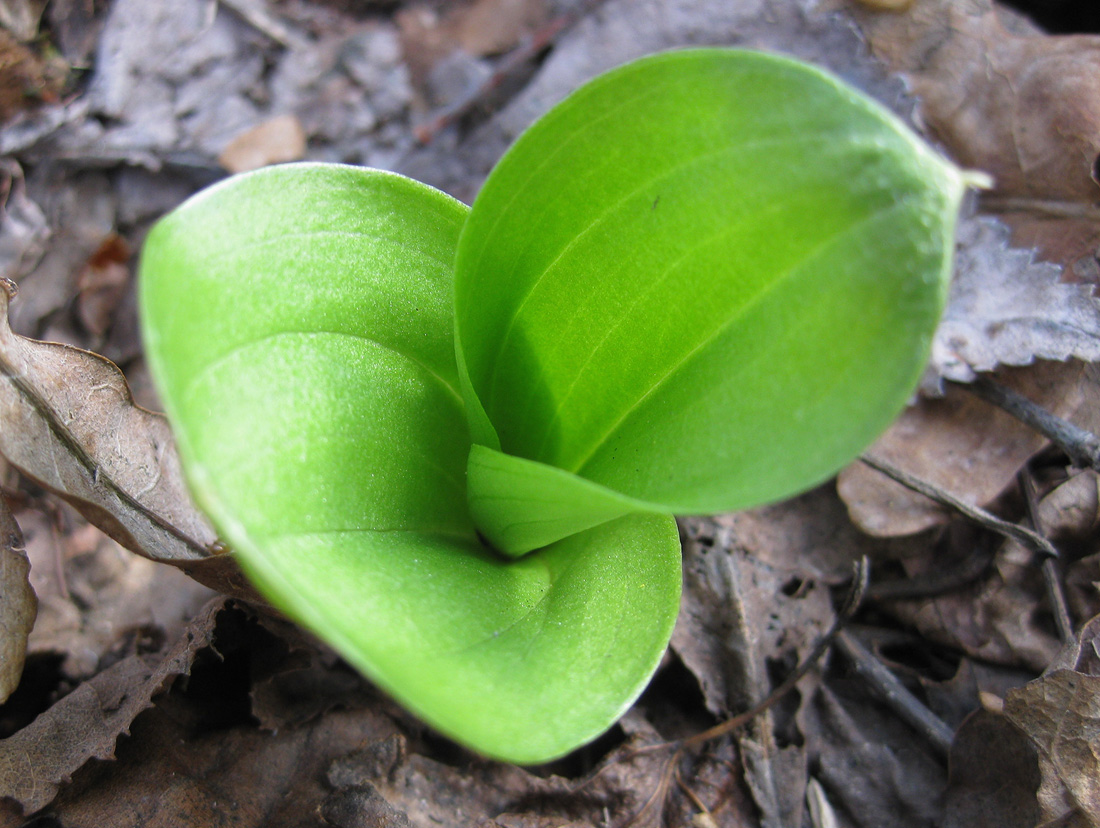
x,y
870,764
21,17
1009,100
18,603
1060,713
23,229
958,443
993,778
67,421
275,141
86,724
492,27
1007,309
97,602
101,284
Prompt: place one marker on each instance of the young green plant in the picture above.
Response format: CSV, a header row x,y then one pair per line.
x,y
450,440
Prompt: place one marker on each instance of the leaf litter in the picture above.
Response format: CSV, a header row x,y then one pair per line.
x,y
270,728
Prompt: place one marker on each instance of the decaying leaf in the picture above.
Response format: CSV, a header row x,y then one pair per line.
x,y
67,421
1008,99
1060,713
959,443
993,776
86,724
18,604
1007,309
275,141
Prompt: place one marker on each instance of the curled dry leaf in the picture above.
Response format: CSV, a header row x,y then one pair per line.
x,y
18,604
86,724
1060,713
68,421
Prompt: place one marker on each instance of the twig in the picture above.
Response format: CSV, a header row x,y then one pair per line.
x,y
894,693
1051,575
1028,538
531,46
1083,447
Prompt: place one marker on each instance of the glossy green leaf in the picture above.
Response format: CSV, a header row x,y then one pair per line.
x,y
704,281
298,321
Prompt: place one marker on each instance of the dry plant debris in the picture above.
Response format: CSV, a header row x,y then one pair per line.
x,y
239,718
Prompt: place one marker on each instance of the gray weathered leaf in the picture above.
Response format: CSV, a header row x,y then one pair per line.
x,y
18,604
67,421
1006,308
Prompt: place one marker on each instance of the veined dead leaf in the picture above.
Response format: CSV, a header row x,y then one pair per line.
x,y
86,724
68,421
1060,713
18,604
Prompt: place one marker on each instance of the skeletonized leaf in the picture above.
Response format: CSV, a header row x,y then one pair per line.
x,y
737,269
18,603
67,421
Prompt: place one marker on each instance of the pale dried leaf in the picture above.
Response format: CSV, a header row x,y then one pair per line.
x,y
18,603
67,421
86,724
23,227
490,27
1007,309
275,141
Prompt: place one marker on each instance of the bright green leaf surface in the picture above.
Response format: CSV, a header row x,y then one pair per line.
x,y
706,280
298,321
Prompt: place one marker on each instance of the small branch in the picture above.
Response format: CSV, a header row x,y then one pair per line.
x,y
895,695
1083,447
1028,538
1051,576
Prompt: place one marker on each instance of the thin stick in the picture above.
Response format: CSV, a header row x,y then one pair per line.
x,y
1028,538
1051,576
894,693
1083,447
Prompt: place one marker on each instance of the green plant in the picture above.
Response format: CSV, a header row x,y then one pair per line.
x,y
704,281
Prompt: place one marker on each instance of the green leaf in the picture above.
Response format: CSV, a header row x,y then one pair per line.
x,y
704,281
298,321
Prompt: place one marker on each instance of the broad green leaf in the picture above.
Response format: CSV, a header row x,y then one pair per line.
x,y
298,321
704,281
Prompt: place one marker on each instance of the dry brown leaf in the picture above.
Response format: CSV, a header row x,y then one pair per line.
x,y
86,724
993,777
959,443
276,141
1060,713
96,601
67,421
1009,100
18,603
